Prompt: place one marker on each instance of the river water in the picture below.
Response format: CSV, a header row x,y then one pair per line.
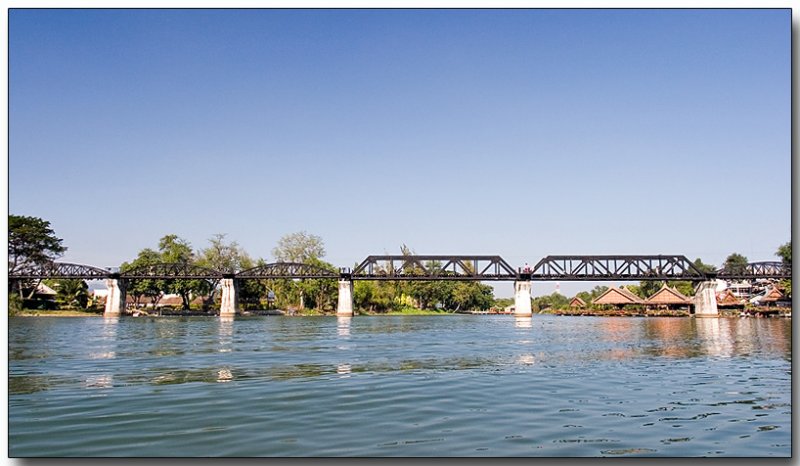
x,y
399,386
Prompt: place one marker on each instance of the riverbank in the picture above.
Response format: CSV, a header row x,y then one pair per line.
x,y
57,313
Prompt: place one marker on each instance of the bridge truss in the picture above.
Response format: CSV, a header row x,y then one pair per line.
x,y
477,268
617,268
434,267
757,270
287,270
61,270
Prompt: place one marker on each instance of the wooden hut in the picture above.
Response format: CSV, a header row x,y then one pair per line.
x,y
577,303
726,299
618,297
771,297
668,298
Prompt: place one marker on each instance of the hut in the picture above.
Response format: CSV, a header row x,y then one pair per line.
x,y
618,297
577,303
726,299
668,298
770,298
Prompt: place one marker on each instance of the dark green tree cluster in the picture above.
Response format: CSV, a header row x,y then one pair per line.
x,y
445,295
785,253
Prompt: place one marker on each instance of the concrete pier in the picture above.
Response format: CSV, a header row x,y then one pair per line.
x,y
344,308
522,298
115,301
705,300
229,306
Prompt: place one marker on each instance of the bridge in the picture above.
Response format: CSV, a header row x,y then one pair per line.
x,y
424,267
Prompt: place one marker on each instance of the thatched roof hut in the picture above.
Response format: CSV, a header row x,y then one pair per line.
x,y
668,297
618,297
577,303
771,297
727,299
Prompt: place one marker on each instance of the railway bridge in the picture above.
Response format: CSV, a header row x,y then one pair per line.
x,y
424,267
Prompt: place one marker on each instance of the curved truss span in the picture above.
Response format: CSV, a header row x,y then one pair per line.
x,y
287,270
756,270
62,270
171,271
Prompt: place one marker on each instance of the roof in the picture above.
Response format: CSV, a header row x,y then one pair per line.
x,y
727,298
577,302
44,289
619,295
668,295
772,295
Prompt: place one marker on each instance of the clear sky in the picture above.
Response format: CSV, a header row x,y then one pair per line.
x,y
521,133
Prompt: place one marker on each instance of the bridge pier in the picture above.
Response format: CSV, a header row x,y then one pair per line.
x,y
705,300
522,298
344,307
115,300
229,306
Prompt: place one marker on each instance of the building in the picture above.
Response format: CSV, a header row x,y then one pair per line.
x,y
727,300
577,303
618,297
668,298
770,298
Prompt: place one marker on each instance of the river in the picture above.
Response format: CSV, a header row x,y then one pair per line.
x,y
399,386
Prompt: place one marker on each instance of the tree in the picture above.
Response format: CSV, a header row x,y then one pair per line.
x,y
230,258
589,296
147,287
31,243
299,247
70,292
552,301
705,268
174,250
785,253
735,263
224,257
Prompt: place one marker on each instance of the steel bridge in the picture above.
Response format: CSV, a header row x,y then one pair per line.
x,y
435,267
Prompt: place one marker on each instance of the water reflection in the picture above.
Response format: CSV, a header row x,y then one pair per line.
x,y
343,326
714,335
224,375
523,322
99,381
526,359
108,340
344,369
225,334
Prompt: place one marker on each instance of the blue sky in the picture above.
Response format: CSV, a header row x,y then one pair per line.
x,y
519,132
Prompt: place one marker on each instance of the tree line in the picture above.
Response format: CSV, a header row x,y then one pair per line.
x,y
33,242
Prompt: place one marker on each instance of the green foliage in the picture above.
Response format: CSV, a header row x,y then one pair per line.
x,y
786,284
31,242
706,268
14,304
551,301
224,257
785,253
589,296
148,288
299,247
735,263
71,293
